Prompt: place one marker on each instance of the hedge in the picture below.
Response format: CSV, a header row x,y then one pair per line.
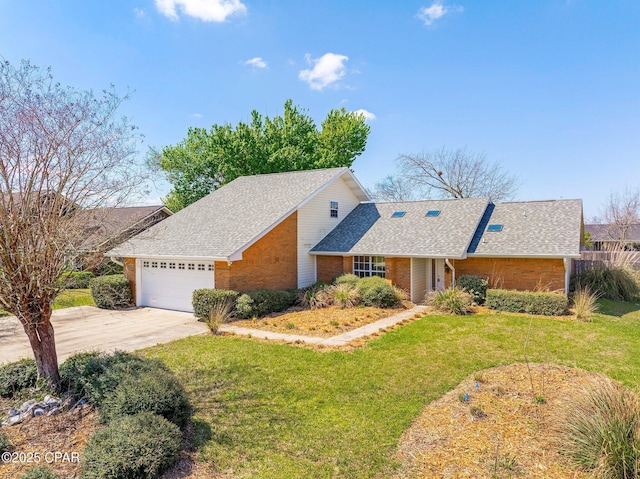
x,y
75,279
264,301
39,472
111,291
476,286
377,292
17,376
548,304
204,300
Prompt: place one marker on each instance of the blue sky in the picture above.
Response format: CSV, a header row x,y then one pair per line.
x,y
548,88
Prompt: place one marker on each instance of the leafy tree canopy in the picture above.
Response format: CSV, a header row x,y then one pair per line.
x,y
206,160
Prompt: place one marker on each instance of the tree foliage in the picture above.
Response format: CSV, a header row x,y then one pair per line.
x,y
447,174
206,160
620,213
62,151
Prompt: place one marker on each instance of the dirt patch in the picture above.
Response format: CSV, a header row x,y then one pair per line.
x,y
498,423
323,323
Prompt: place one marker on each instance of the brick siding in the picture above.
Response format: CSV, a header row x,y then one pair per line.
x,y
328,267
130,274
398,271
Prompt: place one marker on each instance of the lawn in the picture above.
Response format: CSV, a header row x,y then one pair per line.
x,y
278,411
69,298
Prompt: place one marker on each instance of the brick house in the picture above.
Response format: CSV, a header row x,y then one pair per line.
x,y
288,230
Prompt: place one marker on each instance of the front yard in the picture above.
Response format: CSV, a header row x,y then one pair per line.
x,y
273,411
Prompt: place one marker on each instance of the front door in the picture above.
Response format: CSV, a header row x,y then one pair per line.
x,y
437,275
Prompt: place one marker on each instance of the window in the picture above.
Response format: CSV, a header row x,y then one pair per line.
x,y
431,213
163,265
494,228
172,266
154,264
145,264
333,207
210,268
368,266
200,267
398,214
180,265
191,266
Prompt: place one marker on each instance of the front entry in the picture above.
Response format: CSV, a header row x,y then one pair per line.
x,y
426,275
437,275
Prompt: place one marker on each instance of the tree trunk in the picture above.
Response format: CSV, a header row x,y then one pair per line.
x,y
43,344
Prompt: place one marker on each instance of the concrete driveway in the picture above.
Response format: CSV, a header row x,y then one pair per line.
x,y
87,328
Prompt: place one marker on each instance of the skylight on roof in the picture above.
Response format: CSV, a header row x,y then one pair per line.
x,y
494,228
433,213
398,214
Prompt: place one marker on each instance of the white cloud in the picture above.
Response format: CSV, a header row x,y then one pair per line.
x,y
437,10
196,115
256,62
205,10
367,114
139,12
327,69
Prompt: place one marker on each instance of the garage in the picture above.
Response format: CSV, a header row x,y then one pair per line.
x,y
169,284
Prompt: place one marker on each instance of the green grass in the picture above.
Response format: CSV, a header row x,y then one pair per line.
x,y
68,299
275,411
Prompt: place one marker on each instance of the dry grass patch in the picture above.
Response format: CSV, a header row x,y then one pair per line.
x,y
324,323
503,429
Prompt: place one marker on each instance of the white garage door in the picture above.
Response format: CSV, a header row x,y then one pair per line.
x,y
169,284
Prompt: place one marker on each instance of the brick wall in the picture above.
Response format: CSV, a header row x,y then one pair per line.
x,y
272,262
130,274
398,271
515,273
329,267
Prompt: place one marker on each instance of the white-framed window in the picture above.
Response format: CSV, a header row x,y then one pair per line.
x,y
145,264
210,267
163,265
172,266
191,266
180,265
200,267
333,209
154,264
368,266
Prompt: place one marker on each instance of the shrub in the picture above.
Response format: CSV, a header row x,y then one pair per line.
x,y
474,285
75,279
601,430
315,296
107,267
144,445
348,278
94,375
615,283
377,292
584,303
5,444
111,292
17,376
264,301
454,301
153,391
344,295
548,304
39,472
206,299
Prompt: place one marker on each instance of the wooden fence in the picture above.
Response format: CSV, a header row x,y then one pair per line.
x,y
595,259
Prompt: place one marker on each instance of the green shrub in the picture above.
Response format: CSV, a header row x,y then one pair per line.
x,y
132,447
108,267
5,444
39,472
155,391
548,304
315,296
17,376
454,301
601,430
376,291
95,375
206,299
348,278
264,301
474,285
615,283
111,292
344,295
75,279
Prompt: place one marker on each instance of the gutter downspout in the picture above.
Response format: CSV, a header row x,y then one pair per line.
x,y
567,274
453,272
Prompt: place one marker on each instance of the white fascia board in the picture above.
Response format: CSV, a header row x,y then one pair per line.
x,y
160,256
386,255
525,256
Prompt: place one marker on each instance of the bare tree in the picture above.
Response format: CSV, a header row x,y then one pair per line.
x,y
62,151
457,174
620,213
393,188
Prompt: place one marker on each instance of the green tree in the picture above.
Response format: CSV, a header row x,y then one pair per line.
x,y
206,160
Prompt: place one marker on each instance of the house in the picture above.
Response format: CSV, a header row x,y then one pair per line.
x,y
609,237
105,228
288,230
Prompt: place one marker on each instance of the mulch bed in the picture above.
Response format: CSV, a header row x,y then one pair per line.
x,y
501,431
324,322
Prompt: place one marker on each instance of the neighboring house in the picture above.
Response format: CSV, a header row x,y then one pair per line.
x,y
106,228
608,237
288,230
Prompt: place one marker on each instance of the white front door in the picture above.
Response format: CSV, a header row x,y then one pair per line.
x,y
435,273
169,284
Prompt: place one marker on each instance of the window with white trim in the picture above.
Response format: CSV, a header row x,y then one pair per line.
x,y
333,209
210,267
191,266
154,264
368,266
145,264
163,265
180,265
200,267
172,266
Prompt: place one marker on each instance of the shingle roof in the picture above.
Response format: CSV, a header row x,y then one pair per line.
x,y
532,228
371,230
610,232
232,217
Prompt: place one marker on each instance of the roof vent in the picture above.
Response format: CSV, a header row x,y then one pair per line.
x,y
398,214
494,228
433,213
